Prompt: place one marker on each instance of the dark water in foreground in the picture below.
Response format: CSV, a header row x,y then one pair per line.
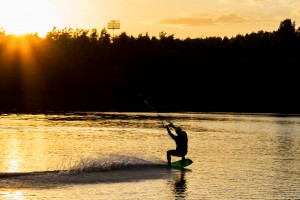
x,y
122,156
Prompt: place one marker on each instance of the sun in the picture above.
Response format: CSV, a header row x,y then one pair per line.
x,y
28,16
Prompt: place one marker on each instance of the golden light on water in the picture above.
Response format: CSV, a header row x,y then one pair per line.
x,y
12,155
17,195
231,153
13,165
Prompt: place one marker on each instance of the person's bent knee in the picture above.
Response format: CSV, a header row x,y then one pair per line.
x,y
171,152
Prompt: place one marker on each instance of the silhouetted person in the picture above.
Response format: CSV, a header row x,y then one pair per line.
x,y
181,143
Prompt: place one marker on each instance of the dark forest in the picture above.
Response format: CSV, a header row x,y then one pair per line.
x,y
86,70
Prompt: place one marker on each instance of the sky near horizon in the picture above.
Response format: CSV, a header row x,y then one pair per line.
x,y
183,18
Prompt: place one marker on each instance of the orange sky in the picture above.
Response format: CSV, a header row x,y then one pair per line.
x,y
183,18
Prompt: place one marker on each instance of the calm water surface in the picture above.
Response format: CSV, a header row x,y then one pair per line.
x,y
123,156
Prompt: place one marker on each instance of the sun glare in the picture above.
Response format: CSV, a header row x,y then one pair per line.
x,y
17,195
28,16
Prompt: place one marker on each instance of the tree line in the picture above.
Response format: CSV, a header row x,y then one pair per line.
x,y
78,69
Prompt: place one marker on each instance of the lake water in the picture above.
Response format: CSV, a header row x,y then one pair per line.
x,y
94,155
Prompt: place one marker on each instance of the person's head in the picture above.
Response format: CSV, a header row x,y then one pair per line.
x,y
178,130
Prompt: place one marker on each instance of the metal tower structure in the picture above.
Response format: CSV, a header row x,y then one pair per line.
x,y
114,24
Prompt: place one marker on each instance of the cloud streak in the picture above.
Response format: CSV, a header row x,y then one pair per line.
x,y
206,19
258,2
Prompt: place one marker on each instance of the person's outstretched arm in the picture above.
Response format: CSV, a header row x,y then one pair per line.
x,y
170,133
172,125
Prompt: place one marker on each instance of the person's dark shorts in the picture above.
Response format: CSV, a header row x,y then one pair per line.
x,y
177,153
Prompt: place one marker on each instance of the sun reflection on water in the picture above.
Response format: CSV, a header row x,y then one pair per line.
x,y
16,195
11,151
13,165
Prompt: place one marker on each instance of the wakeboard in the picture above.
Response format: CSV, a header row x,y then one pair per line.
x,y
180,164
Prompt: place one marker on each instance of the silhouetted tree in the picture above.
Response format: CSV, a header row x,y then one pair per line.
x,y
286,33
85,70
